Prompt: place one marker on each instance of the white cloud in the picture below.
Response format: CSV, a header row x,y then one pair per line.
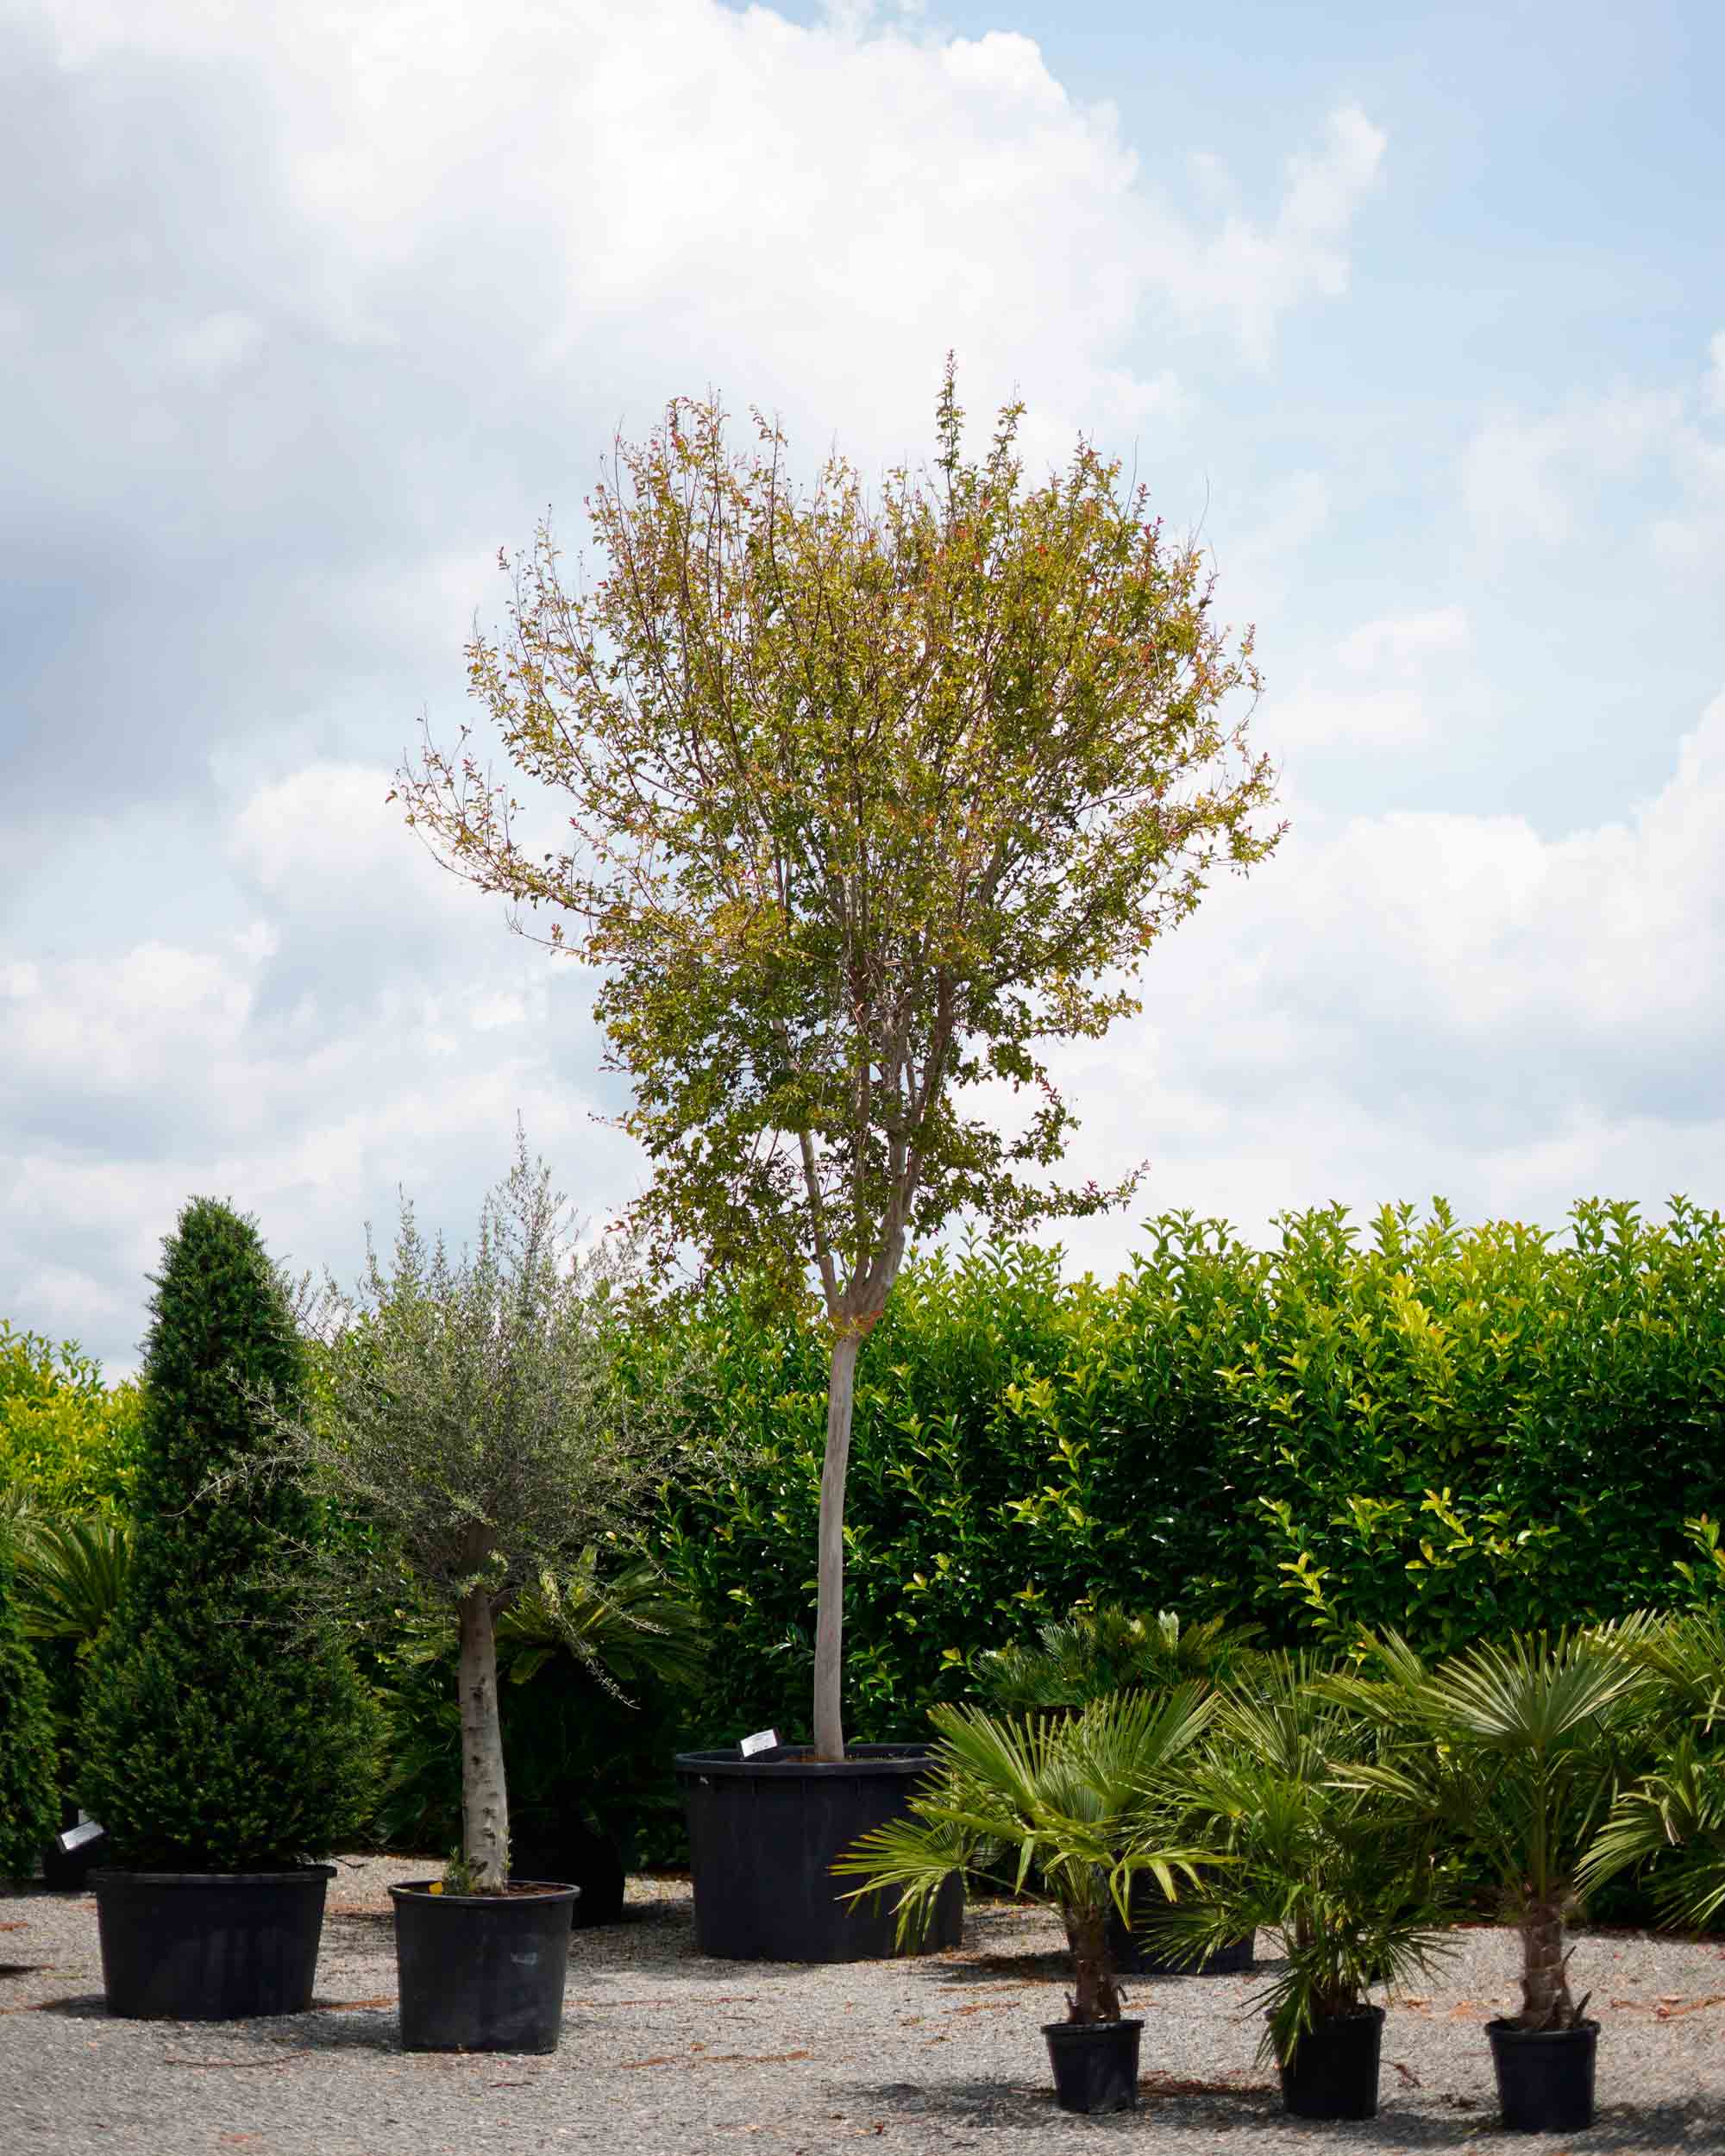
x,y
1604,463
1387,684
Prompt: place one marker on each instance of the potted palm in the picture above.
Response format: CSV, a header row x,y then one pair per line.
x,y
1518,1749
1096,1649
1342,1881
476,1421
224,1741
1064,1810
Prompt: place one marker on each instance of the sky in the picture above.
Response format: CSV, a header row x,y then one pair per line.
x,y
1414,315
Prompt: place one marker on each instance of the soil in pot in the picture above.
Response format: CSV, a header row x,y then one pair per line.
x,y
1333,2072
1095,2063
1545,2077
482,1971
763,1833
209,1946
1131,1958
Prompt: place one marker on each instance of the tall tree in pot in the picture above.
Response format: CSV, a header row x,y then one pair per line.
x,y
224,1736
866,798
477,1417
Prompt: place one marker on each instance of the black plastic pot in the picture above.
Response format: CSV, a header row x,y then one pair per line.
x,y
1132,1958
1095,2063
482,1971
1333,2072
209,1946
763,1834
1545,2077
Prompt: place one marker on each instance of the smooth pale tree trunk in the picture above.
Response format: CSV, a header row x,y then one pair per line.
x,y
829,1622
1546,2000
484,1801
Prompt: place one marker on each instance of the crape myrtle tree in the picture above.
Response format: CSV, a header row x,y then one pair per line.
x,y
479,1418
870,796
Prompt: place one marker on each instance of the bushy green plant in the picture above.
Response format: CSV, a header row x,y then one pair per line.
x,y
1064,1809
1515,1751
1342,1875
223,1727
1440,1431
28,1810
66,1440
1096,1651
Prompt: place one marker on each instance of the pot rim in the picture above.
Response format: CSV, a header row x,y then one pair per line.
x,y
1080,2030
419,1890
1504,2027
288,1875
790,1763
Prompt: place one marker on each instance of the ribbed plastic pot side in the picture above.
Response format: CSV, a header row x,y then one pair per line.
x,y
763,1834
482,1972
209,1946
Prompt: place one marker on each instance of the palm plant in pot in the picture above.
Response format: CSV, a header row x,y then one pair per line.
x,y
1346,1885
1066,1810
224,1740
476,1421
1517,1751
1095,1650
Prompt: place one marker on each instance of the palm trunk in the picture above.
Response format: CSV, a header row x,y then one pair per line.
x,y
1546,2000
1094,1997
485,1800
829,1623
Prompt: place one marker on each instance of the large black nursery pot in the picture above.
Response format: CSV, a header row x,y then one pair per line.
x,y
210,1946
1545,2077
1095,2063
482,1971
763,1833
1333,2072
1131,1958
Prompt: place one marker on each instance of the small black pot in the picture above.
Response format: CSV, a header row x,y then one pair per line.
x,y
210,1946
1545,2077
482,1971
1095,2063
763,1833
1132,1958
1333,2072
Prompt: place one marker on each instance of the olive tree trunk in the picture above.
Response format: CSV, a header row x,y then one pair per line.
x,y
485,1800
829,1623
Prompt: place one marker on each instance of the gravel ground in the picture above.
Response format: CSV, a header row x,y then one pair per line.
x,y
665,2053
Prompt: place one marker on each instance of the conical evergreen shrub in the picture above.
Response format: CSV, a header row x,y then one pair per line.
x,y
223,1727
29,1811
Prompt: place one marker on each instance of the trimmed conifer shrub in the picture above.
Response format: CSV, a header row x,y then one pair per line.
x,y
28,1812
224,1726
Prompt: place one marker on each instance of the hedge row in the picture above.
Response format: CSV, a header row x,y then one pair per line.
x,y
1456,1431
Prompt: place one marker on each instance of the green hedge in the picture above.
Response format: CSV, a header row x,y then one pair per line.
x,y
1453,1430
66,1442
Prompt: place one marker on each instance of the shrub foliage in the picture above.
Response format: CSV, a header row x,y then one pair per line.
x,y
224,1727
1443,1431
29,1813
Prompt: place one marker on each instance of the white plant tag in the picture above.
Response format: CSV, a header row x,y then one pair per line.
x,y
75,1836
762,1741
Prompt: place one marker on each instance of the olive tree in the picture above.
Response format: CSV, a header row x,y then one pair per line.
x,y
477,1416
870,796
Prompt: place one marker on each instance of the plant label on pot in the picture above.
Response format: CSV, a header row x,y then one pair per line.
x,y
86,1831
762,1741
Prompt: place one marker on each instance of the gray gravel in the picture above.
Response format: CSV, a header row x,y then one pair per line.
x,y
665,2053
